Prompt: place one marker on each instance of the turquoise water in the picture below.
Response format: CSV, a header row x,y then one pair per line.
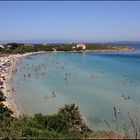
x,y
94,81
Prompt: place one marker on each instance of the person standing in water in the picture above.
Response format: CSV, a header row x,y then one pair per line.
x,y
53,94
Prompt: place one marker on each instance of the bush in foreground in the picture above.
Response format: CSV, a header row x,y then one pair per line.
x,y
67,123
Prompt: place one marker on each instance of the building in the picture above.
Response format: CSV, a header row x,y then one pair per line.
x,y
81,46
2,46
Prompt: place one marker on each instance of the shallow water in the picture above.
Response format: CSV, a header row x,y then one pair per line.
x,y
96,82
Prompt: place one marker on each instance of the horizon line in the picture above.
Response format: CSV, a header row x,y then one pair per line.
x,y
62,41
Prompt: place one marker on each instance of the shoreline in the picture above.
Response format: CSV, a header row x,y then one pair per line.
x,y
107,50
10,70
10,103
7,73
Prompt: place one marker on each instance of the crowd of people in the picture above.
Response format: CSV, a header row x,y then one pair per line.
x,y
6,66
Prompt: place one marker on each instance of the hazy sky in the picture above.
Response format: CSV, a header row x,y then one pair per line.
x,y
69,21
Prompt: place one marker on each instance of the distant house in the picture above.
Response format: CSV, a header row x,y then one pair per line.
x,y
5,46
2,46
81,46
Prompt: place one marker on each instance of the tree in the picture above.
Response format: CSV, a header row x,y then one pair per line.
x,y
74,121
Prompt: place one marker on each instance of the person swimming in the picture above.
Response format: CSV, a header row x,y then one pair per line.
x,y
13,90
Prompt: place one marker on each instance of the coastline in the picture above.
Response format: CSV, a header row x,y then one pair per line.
x,y
10,103
14,59
125,49
8,74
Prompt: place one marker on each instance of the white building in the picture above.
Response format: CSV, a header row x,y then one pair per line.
x,y
82,46
2,46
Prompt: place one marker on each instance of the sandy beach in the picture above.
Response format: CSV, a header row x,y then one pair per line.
x,y
8,66
7,69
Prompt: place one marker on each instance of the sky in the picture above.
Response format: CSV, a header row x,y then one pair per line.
x,y
69,21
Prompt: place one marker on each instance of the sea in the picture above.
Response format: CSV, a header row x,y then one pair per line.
x,y
105,85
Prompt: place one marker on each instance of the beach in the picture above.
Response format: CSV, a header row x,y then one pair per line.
x,y
7,69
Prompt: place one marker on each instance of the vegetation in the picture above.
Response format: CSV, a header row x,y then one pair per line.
x,y
73,119
98,47
22,48
43,126
13,48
